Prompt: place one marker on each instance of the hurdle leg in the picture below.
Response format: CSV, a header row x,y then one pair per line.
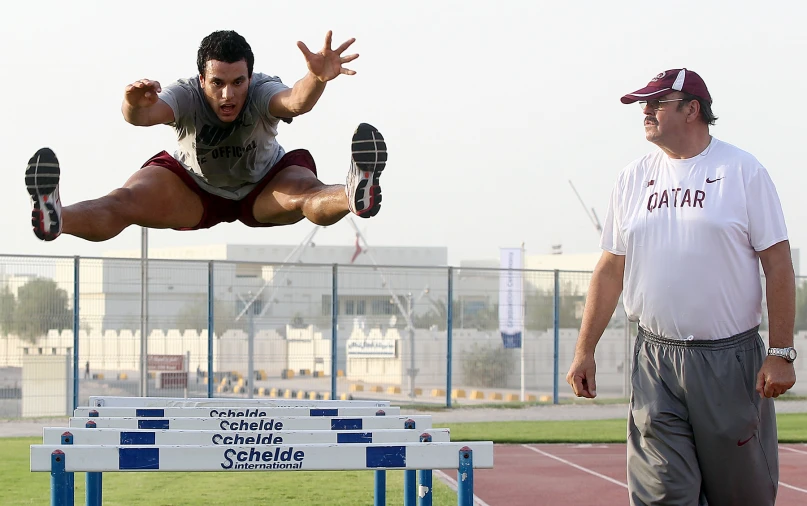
x,y
425,488
465,478
94,489
380,490
380,485
410,487
67,439
425,478
58,479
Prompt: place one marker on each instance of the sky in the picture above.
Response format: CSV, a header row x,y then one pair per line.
x,y
489,109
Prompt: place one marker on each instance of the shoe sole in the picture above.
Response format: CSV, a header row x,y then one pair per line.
x,y
41,179
369,152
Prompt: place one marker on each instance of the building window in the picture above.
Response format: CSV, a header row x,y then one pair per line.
x,y
360,307
349,307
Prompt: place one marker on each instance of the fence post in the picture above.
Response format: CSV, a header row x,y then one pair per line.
x,y
76,329
556,325
334,332
449,325
144,311
210,327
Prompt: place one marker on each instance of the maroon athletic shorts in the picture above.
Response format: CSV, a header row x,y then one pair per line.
x,y
218,209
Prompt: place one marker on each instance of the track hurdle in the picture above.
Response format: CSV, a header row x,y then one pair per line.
x,y
183,402
233,411
365,433
276,423
122,437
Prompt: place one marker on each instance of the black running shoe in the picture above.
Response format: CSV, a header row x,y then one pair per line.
x,y
367,161
42,181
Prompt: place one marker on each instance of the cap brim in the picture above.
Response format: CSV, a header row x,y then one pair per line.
x,y
645,93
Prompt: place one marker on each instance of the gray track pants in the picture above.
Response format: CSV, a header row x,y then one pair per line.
x,y
698,432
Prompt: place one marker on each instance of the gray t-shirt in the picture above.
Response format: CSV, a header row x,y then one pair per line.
x,y
226,159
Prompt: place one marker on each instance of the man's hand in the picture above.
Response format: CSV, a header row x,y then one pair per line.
x,y
142,93
775,377
327,64
581,375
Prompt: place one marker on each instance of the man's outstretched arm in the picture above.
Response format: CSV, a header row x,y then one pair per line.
x,y
142,107
322,67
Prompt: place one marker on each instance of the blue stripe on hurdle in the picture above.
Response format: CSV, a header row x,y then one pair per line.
x,y
138,458
354,437
386,456
149,413
324,412
152,424
138,438
346,424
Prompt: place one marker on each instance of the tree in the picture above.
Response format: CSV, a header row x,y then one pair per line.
x,y
486,366
540,308
7,305
41,306
436,316
194,315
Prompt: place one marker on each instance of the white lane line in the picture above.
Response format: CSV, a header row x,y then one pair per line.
x,y
452,483
581,468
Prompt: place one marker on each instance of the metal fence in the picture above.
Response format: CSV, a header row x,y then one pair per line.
x,y
71,327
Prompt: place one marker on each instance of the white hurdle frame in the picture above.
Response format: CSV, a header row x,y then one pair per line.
x,y
234,411
185,442
188,402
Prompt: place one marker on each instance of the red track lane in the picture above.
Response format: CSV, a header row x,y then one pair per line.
x,y
592,475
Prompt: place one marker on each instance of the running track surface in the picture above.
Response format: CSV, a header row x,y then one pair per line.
x,y
590,475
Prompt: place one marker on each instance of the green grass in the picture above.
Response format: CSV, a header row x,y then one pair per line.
x,y
19,486
572,431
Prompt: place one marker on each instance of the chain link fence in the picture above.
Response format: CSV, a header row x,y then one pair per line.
x,y
407,334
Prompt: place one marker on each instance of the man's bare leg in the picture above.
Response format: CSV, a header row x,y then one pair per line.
x,y
153,197
296,193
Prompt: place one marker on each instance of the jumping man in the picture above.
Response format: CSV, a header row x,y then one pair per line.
x,y
228,164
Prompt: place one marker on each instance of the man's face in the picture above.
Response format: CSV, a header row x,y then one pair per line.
x,y
663,119
225,86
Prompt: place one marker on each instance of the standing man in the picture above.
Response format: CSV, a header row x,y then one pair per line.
x,y
228,164
686,228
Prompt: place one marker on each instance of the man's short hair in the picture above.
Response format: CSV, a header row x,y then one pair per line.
x,y
706,114
226,46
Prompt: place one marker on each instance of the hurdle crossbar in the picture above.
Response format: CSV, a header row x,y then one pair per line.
x,y
138,437
261,424
180,402
235,411
302,457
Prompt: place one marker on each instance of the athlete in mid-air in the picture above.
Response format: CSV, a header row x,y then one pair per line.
x,y
228,164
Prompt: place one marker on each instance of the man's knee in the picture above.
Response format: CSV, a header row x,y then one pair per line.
x,y
295,182
289,190
122,201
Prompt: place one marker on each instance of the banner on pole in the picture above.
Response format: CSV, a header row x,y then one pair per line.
x,y
511,324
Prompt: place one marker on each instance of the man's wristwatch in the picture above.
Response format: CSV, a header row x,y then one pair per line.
x,y
788,354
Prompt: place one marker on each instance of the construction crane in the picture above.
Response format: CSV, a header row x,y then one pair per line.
x,y
592,215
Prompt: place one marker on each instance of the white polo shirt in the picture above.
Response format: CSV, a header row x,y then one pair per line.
x,y
690,231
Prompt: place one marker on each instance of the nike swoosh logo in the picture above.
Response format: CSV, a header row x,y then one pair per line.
x,y
713,180
741,443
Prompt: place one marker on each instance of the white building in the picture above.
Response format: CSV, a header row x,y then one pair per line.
x,y
284,283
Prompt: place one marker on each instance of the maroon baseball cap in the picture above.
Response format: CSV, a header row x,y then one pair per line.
x,y
669,81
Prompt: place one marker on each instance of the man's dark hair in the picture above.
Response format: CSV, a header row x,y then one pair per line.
x,y
227,46
706,113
